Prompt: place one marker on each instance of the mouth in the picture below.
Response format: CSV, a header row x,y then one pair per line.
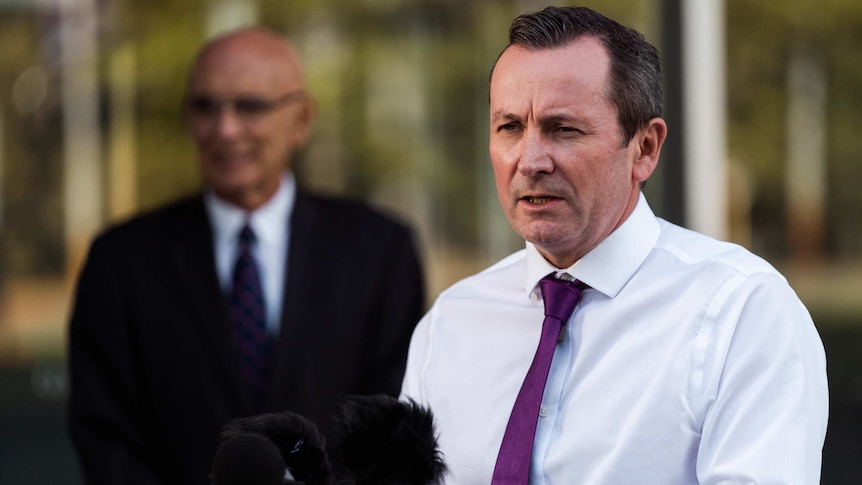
x,y
230,158
539,200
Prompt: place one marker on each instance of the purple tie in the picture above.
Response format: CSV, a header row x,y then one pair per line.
x,y
513,460
249,316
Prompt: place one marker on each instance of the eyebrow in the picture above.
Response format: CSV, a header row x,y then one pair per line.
x,y
501,115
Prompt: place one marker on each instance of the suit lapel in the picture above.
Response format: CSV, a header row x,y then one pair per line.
x,y
194,260
305,275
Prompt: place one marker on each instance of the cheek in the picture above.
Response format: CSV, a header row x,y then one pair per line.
x,y
502,177
268,140
612,189
274,148
201,139
503,160
613,170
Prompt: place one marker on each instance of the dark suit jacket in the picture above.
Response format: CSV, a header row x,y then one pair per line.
x,y
154,372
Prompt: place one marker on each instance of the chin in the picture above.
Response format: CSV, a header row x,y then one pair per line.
x,y
550,237
231,189
234,178
542,238
536,229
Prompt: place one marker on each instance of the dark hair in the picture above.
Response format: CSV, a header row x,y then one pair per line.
x,y
634,87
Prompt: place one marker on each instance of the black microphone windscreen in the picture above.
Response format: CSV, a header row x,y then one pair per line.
x,y
248,459
379,440
296,437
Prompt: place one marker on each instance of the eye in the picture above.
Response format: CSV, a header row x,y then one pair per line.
x,y
203,105
507,127
250,106
567,130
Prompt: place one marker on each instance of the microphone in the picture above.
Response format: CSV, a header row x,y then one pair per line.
x,y
295,438
382,440
248,459
374,440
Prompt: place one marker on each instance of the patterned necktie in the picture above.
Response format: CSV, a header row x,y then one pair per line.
x,y
248,313
513,460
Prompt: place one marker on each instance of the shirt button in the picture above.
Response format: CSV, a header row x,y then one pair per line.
x,y
543,412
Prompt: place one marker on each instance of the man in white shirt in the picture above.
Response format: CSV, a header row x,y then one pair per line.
x,y
686,360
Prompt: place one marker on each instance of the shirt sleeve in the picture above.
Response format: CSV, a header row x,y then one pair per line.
x,y
413,386
765,401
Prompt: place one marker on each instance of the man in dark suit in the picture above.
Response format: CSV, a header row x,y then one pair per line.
x,y
157,362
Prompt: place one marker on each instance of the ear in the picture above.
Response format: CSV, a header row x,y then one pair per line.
x,y
304,119
649,142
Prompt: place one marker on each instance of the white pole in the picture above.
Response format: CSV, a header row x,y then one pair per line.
x,y
705,116
83,189
806,154
2,181
122,186
225,15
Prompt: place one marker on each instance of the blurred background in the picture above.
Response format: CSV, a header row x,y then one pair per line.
x,y
762,99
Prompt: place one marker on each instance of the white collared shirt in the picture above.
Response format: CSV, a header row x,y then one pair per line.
x,y
689,360
270,223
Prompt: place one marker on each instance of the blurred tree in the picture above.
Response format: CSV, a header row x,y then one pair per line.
x,y
761,39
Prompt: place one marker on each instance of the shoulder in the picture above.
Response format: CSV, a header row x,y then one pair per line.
x,y
727,277
154,227
346,216
695,249
502,280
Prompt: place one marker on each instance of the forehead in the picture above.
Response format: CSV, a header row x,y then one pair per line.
x,y
572,75
246,64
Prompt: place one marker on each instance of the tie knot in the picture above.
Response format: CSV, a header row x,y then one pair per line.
x,y
246,236
560,296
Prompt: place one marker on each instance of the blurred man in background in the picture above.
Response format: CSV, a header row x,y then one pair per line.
x,y
251,296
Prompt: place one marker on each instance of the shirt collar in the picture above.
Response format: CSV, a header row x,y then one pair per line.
x,y
608,266
267,221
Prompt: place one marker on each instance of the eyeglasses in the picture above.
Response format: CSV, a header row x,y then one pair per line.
x,y
247,108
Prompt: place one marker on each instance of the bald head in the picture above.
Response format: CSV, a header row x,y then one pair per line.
x,y
255,50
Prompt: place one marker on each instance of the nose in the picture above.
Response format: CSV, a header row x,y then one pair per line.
x,y
535,154
227,123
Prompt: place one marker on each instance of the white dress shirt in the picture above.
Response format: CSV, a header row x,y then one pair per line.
x,y
688,360
269,223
